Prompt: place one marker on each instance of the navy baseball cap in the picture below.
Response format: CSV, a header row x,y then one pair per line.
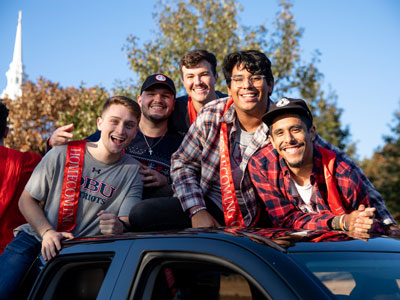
x,y
159,79
284,106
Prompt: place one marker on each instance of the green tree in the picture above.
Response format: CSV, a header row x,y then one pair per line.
x,y
213,25
44,106
86,105
383,169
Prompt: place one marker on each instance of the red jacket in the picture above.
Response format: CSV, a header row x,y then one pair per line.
x,y
15,169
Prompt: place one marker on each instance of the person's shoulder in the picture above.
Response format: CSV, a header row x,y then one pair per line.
x,y
221,95
17,157
174,136
57,151
182,99
342,165
217,104
266,155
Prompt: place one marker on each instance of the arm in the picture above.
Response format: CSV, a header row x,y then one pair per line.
x,y
202,218
272,191
376,199
33,213
186,169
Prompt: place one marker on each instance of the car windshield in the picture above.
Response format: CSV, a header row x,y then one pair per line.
x,y
355,275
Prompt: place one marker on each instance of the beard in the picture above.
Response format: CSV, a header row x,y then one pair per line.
x,y
154,118
296,165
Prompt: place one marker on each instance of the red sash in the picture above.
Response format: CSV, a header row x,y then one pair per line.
x,y
328,162
232,214
71,186
192,111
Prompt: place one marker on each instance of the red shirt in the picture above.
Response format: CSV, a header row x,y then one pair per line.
x,y
16,168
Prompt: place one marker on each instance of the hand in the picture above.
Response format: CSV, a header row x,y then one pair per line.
x,y
61,135
109,223
360,220
204,219
51,243
359,235
152,178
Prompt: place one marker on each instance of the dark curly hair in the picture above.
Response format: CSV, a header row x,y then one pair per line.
x,y
254,61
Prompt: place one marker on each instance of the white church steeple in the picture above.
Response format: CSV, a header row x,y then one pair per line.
x,y
15,75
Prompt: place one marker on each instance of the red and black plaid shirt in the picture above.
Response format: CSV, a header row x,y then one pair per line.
x,y
275,186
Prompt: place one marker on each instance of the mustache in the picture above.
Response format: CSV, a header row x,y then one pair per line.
x,y
291,144
160,103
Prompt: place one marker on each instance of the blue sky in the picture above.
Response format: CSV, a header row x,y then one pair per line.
x,y
81,41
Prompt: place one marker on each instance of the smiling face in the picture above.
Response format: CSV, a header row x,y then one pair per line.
x,y
293,141
249,98
118,127
199,82
157,103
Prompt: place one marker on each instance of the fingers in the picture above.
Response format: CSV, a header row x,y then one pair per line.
x,y
61,135
368,212
361,207
67,235
109,223
152,178
66,128
51,243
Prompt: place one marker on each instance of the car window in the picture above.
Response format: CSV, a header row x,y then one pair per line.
x,y
191,279
73,279
356,275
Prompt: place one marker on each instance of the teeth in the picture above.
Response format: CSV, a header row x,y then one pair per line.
x,y
291,150
117,138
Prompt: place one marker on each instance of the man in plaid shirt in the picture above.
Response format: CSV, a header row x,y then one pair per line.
x,y
293,177
195,168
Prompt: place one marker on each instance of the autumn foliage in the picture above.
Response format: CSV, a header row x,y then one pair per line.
x,y
44,106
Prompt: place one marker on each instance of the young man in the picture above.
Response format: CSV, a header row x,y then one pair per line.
x,y
209,168
305,185
16,168
77,190
155,142
199,75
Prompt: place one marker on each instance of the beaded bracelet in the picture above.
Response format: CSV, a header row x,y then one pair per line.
x,y
196,211
48,229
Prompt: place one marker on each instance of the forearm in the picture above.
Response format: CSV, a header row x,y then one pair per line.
x,y
186,183
33,213
376,199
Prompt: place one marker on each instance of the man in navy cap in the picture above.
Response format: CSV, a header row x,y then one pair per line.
x,y
306,185
154,143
